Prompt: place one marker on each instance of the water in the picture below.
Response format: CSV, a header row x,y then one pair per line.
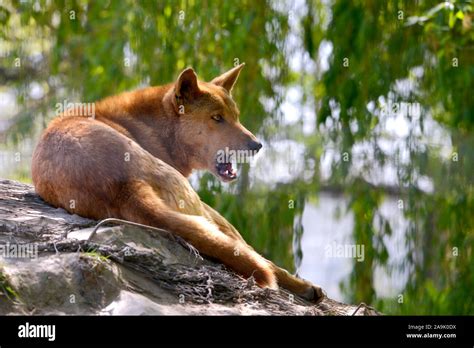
x,y
326,226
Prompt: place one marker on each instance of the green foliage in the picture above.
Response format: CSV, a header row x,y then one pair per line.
x,y
94,254
267,218
383,43
6,289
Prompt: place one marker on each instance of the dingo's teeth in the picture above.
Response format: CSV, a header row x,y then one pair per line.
x,y
226,171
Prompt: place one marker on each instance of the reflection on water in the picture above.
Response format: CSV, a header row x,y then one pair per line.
x,y
326,225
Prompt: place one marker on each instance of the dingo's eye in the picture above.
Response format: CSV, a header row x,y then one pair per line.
x,y
217,118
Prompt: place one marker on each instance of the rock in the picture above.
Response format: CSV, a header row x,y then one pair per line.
x,y
65,283
123,270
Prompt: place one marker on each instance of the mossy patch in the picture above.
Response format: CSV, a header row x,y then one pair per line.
x,y
7,289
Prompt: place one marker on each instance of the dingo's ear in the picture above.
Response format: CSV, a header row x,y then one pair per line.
x,y
187,85
228,79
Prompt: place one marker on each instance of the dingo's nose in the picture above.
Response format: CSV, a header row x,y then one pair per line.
x,y
254,145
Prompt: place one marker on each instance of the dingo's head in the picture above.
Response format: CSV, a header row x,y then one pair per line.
x,y
209,124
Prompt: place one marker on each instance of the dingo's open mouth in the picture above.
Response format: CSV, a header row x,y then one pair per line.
x,y
226,172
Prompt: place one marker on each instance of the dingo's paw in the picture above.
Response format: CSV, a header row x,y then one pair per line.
x,y
314,294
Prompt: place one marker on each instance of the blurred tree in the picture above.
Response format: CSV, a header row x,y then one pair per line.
x,y
413,52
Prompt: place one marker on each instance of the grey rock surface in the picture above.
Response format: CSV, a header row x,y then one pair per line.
x,y
47,266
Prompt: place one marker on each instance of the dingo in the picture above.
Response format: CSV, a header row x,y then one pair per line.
x,y
131,160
